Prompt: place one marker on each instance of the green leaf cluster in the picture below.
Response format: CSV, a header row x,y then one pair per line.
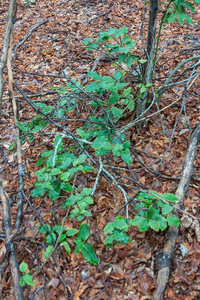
x,y
117,230
54,179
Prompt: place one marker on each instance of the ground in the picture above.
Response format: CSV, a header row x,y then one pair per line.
x,y
126,271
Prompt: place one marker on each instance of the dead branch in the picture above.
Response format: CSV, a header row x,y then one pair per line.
x,y
102,15
168,253
28,35
10,21
14,265
19,151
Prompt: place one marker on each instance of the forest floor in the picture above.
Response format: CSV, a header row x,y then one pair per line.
x,y
127,271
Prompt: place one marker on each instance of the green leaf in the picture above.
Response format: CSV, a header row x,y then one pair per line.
x,y
150,213
109,239
167,209
65,186
92,87
88,200
95,76
111,31
49,249
189,6
127,91
122,58
117,75
84,232
91,46
154,225
136,221
121,31
126,156
87,40
88,168
79,246
197,2
44,228
23,267
143,89
172,220
181,16
86,191
38,191
28,279
171,17
65,176
129,61
22,282
143,61
117,150
81,133
102,142
80,217
109,228
114,99
80,160
54,194
58,140
87,214
160,203
72,232
90,255
162,223
119,236
55,171
169,197
126,145
120,223
144,225
131,104
116,112
188,20
51,238
66,246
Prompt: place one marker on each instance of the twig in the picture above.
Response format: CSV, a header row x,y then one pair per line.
x,y
97,178
104,14
121,189
30,32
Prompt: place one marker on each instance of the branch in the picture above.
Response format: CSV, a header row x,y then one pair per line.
x,y
10,21
30,32
14,265
168,253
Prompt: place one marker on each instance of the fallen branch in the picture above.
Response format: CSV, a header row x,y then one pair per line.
x,y
10,20
19,150
102,15
168,253
12,257
26,37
